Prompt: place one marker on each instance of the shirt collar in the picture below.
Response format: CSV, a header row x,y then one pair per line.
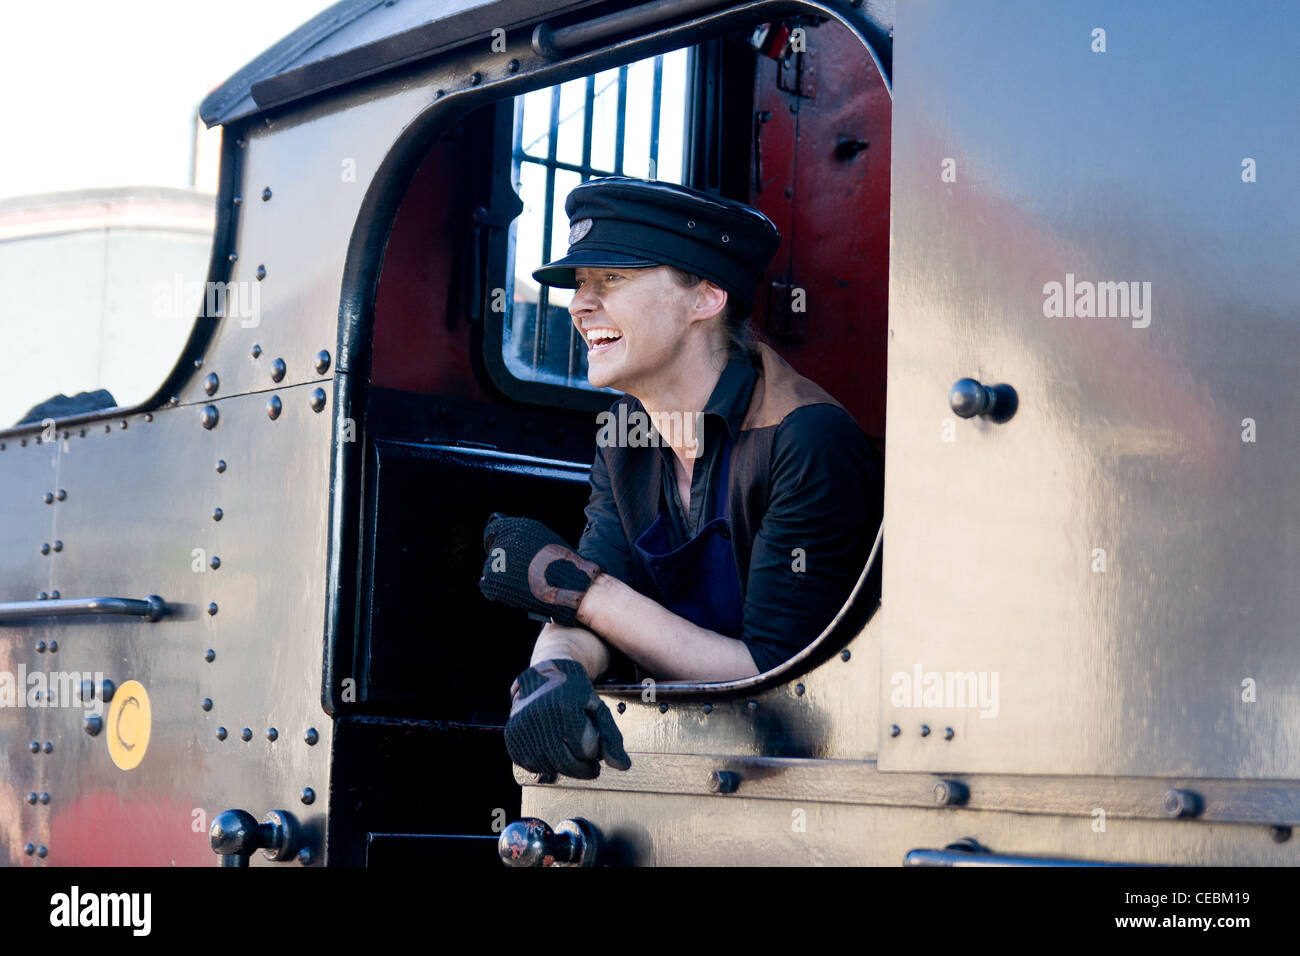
x,y
730,398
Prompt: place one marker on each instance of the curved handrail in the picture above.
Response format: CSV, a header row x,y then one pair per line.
x,y
151,608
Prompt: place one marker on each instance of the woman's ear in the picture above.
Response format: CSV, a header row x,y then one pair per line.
x,y
710,300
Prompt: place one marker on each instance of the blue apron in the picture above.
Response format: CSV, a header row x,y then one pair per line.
x,y
698,581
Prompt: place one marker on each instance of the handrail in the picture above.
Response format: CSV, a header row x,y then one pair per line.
x,y
151,608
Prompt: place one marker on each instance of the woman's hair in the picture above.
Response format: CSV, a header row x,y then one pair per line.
x,y
735,319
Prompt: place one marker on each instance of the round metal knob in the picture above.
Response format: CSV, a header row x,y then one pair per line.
x,y
969,398
530,842
235,835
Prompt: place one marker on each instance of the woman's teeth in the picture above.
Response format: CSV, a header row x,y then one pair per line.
x,y
598,340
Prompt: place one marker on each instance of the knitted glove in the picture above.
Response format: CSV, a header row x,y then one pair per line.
x,y
558,724
529,566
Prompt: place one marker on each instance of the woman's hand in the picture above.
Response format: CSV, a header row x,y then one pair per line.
x,y
531,567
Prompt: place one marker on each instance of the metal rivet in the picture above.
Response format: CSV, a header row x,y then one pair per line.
x,y
217,514
622,707
308,796
31,798
663,707
261,273
1280,834
221,733
92,724
58,545
322,361
266,194
214,563
246,734
233,257
54,647
34,746
277,370
206,703
726,238
311,736
273,407
61,494
41,851
87,690
47,746
212,609
690,224
211,383
45,798
209,655
256,351
148,416
752,705
29,848
237,200
272,734
40,647
895,730
475,78
45,547
106,690
708,708
845,654
49,497
42,596
949,733
925,730
306,857
208,416
198,362
221,465
317,399
513,66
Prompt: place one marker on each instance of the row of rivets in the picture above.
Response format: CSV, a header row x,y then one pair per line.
x,y
40,851
45,546
52,647
52,596
50,496
32,798
948,732
36,746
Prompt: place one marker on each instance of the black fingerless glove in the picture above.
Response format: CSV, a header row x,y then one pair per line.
x,y
558,724
529,566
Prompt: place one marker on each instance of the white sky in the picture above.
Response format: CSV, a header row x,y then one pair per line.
x,y
103,93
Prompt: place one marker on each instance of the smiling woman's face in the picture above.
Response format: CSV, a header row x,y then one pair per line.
x,y
634,322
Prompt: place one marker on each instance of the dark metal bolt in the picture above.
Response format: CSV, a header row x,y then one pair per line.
x,y
317,399
266,194
621,707
1182,803
306,857
58,545
49,497
233,257
278,368
217,514
311,736
950,793
236,199
209,655
54,647
949,733
40,647
246,735
798,690
752,705
322,362
708,708
274,407
272,734
475,78
663,707
1280,834
47,746
92,724
845,654
54,594
208,418
925,730
206,703
221,465
255,351
211,383
261,273
42,596
106,690
513,66
221,733
724,781
31,798
29,848
41,851
45,547
212,609
308,796
895,730
45,798
61,494
87,690
214,563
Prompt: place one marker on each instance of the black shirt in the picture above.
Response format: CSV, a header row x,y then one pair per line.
x,y
810,499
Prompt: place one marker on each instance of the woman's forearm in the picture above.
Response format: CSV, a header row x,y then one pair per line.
x,y
574,644
659,640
